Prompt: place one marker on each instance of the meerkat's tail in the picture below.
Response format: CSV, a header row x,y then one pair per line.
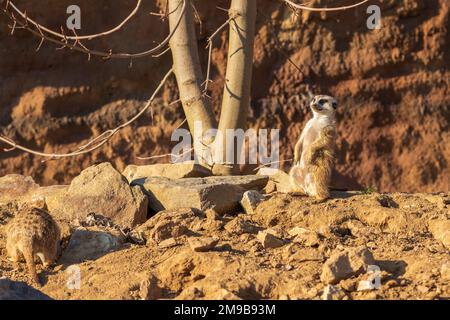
x,y
29,258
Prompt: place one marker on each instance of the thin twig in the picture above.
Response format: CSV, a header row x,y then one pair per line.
x,y
270,163
303,7
85,37
77,46
210,47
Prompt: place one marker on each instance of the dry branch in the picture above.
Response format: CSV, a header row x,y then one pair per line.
x,y
85,37
303,7
63,40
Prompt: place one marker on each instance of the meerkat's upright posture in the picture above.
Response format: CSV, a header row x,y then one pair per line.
x,y
33,232
315,150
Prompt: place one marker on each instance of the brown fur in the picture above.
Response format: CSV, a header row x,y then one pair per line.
x,y
320,159
33,232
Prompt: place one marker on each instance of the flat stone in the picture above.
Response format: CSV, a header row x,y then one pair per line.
x,y
202,244
280,178
102,190
268,240
219,193
90,244
250,200
345,264
167,170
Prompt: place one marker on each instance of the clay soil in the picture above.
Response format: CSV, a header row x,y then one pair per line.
x,y
393,227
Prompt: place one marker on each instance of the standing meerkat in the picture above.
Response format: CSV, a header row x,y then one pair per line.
x,y
315,150
33,232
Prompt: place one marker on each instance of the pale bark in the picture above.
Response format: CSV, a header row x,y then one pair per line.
x,y
187,69
236,97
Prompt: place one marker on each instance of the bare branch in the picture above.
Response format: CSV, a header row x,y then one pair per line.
x,y
86,37
303,7
94,143
63,39
210,47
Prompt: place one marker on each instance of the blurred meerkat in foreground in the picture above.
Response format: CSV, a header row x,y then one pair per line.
x,y
33,233
314,152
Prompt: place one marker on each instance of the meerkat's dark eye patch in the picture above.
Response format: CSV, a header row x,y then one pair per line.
x,y
321,102
334,104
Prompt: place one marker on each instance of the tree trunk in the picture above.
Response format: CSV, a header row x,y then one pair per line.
x,y
236,97
187,69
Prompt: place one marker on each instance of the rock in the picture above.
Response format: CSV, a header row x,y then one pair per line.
x,y
102,190
24,191
239,226
306,237
202,244
15,187
14,290
51,196
168,243
331,292
279,177
169,224
220,193
345,264
250,201
149,289
90,244
441,231
268,240
168,170
445,271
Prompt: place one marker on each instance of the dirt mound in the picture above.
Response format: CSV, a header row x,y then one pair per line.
x,y
392,85
388,231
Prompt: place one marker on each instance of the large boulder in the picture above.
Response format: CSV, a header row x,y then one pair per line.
x,y
222,194
102,190
168,170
